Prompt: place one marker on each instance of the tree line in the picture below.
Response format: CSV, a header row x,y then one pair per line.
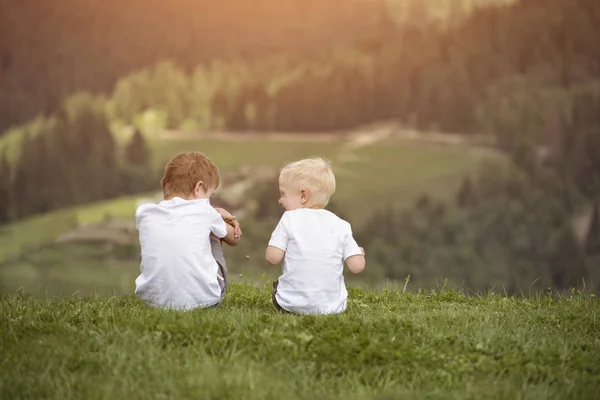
x,y
72,158
502,70
488,73
67,46
507,229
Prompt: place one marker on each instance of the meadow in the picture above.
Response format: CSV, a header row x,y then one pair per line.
x,y
370,176
437,344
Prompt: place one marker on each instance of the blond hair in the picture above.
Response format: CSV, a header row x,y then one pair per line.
x,y
313,174
185,170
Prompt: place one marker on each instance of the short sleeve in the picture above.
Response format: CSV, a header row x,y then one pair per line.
x,y
351,248
218,226
279,237
139,214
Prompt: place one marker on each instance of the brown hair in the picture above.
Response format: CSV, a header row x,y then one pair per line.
x,y
185,170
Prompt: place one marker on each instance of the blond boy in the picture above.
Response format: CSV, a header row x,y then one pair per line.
x,y
182,263
313,243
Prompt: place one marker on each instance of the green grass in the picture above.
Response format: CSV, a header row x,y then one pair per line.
x,y
228,155
392,172
85,268
90,268
388,345
31,233
387,173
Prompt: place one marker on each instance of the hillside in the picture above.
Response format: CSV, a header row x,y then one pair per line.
x,y
525,75
389,345
374,173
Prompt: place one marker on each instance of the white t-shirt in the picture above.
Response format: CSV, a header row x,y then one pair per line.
x,y
177,269
316,245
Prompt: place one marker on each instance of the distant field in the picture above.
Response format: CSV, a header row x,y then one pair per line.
x,y
229,154
388,172
388,345
29,234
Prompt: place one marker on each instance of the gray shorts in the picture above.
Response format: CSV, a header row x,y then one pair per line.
x,y
217,252
274,298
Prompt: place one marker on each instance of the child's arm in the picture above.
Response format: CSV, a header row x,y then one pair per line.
x,y
354,255
278,243
356,263
230,220
231,238
222,231
234,232
274,255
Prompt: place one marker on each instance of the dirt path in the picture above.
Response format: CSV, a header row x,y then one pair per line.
x,y
272,136
481,145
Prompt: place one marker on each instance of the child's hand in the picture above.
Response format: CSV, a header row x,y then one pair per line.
x,y
237,231
226,215
230,219
363,250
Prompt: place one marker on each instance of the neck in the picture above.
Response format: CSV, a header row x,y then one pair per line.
x,y
184,197
314,207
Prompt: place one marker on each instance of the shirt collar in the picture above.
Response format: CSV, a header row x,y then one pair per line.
x,y
178,200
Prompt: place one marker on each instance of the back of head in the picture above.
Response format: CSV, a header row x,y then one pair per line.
x,y
315,175
185,170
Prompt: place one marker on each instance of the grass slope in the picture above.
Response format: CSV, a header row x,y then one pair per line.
x,y
436,345
31,233
392,172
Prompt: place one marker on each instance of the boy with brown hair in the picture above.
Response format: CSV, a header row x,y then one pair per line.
x,y
182,263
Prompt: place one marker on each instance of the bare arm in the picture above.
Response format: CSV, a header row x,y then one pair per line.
x,y
356,263
231,239
234,232
274,255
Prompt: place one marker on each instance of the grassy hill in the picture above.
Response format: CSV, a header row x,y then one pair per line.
x,y
389,345
389,172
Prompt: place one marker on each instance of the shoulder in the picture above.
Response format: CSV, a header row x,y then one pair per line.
x,y
292,214
342,224
144,209
299,216
193,207
210,210
203,211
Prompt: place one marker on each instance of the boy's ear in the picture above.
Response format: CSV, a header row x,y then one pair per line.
x,y
304,196
199,185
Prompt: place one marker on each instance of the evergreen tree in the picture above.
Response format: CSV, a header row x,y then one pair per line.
x,y
136,175
424,202
60,178
465,196
524,157
137,152
5,189
592,241
585,161
26,179
567,263
67,159
91,151
266,195
41,180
